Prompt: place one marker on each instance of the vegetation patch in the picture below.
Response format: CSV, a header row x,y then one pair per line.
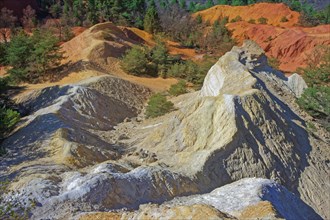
x,y
158,106
178,89
262,20
316,99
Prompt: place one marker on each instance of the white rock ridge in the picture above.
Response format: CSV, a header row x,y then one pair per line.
x,y
242,124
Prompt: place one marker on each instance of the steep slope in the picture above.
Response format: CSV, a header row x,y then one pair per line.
x,y
243,123
290,44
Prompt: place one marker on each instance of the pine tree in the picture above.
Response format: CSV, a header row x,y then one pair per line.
x,y
223,2
182,4
45,53
209,4
151,20
92,12
18,55
79,12
192,7
237,2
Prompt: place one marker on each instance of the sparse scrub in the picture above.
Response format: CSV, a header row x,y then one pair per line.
x,y
262,20
284,19
135,61
190,71
252,21
318,71
158,106
178,88
8,119
236,19
316,99
141,60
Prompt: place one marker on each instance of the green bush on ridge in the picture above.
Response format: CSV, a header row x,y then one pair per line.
x,y
158,106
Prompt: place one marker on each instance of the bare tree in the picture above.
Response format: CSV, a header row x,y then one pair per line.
x,y
7,22
29,18
178,23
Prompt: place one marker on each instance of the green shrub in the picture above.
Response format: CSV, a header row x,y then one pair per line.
x,y
236,19
135,61
190,71
158,105
145,61
178,89
8,118
252,21
262,20
316,101
284,19
199,19
3,83
318,71
31,56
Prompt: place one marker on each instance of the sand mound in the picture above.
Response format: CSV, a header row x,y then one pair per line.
x,y
104,44
273,12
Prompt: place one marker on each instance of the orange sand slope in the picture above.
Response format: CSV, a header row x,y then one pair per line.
x,y
290,44
273,12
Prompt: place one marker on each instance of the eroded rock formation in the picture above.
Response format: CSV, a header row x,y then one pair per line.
x,y
82,148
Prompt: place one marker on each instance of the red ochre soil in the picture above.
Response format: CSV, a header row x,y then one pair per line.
x,y
290,44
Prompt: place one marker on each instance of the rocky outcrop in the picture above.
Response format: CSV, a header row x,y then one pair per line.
x,y
240,125
243,123
297,84
245,199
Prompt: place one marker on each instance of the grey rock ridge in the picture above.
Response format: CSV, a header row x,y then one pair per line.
x,y
85,148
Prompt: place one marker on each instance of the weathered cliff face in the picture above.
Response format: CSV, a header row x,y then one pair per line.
x,y
243,123
240,126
